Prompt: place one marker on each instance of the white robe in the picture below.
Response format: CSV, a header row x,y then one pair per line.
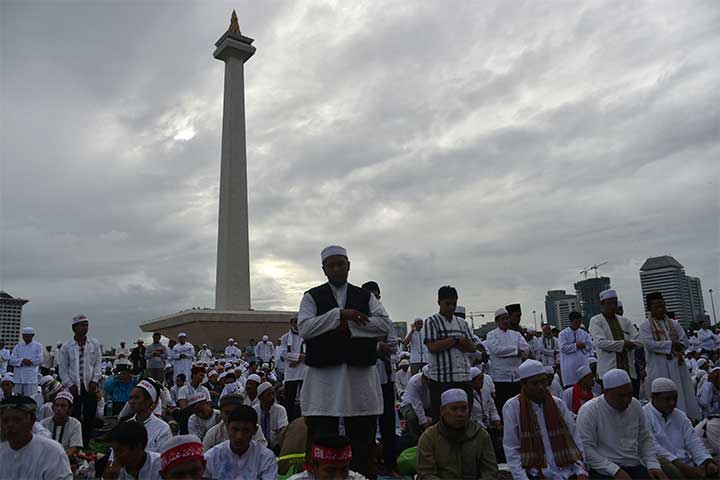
x,y
570,357
182,365
149,471
607,347
158,432
256,463
675,437
658,365
42,458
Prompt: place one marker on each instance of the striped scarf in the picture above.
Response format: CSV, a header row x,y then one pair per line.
x,y
621,358
664,330
532,450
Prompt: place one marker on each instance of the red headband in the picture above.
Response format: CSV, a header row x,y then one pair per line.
x,y
181,453
332,456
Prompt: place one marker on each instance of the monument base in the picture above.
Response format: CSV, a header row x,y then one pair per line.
x,y
214,327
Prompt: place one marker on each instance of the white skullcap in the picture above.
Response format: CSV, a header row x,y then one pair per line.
x,y
500,311
459,309
530,368
8,377
264,387
66,395
265,338
426,371
662,385
605,294
615,378
79,319
196,398
474,372
264,366
211,373
419,319
404,363
180,448
149,388
549,370
222,375
231,339
531,330
592,361
28,331
254,378
182,334
404,354
583,372
331,251
227,365
714,369
701,362
454,395
45,379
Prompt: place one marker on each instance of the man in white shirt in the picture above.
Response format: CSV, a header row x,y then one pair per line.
x,y
272,417
580,393
330,458
143,399
680,450
615,339
449,340
419,354
575,349
130,458
232,352
507,349
4,358
665,342
340,323
707,340
240,456
547,347
25,455
291,347
80,364
26,359
402,377
614,433
203,417
415,402
63,428
709,394
197,375
218,434
182,356
48,360
205,355
265,350
123,351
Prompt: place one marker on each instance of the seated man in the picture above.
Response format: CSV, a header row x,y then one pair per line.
x,y
614,433
455,447
539,437
218,434
330,457
582,392
240,456
681,452
271,416
709,394
143,399
63,428
128,441
416,403
182,458
24,454
203,416
553,384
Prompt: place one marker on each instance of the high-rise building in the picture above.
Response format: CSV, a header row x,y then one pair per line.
x,y
666,275
697,305
558,306
10,318
588,296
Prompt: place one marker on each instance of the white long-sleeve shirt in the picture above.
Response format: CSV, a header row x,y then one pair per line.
x,y
707,339
182,365
290,350
69,363
546,350
232,352
675,436
33,351
200,426
276,418
257,462
511,441
417,395
484,410
402,377
606,346
570,357
158,432
341,390
149,471
419,352
4,359
504,347
612,439
265,351
42,458
205,355
709,399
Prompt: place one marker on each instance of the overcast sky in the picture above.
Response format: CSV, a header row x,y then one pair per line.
x,y
496,146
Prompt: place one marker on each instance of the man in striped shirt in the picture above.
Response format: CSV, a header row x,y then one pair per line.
x,y
449,340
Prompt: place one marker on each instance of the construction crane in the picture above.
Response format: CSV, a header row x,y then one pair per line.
x,y
594,267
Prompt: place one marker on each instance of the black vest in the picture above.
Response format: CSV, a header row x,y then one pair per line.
x,y
334,348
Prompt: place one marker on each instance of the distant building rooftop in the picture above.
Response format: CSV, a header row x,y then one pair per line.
x,y
655,263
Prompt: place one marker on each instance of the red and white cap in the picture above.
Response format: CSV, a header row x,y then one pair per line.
x,y
180,449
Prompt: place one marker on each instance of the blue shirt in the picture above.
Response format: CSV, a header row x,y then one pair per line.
x,y
119,392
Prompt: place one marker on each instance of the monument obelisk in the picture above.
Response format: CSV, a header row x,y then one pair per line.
x,y
232,288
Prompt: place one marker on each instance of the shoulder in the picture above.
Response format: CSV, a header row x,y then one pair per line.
x,y
511,405
217,450
589,407
48,445
320,288
46,422
428,437
597,319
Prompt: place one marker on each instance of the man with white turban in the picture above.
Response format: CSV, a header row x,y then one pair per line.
x,y
265,350
26,359
680,450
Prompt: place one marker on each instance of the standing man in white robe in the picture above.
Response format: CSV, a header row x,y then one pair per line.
x,y
205,354
182,356
232,352
26,359
615,339
265,350
575,349
4,358
340,323
546,347
419,354
291,346
665,343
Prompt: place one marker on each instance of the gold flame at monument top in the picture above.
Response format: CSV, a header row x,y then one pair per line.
x,y
234,26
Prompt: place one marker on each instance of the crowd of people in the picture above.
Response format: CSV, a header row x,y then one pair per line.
x,y
339,397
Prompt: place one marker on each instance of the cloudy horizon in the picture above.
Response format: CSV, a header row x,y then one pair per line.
x,y
499,147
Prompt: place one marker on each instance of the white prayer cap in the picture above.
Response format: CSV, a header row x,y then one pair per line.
x,y
531,330
28,331
211,373
583,372
264,387
460,309
549,370
227,365
454,395
149,388
8,377
196,398
714,369
331,251
231,339
662,385
500,311
403,363
530,368
254,378
592,361
605,294
222,375
264,366
79,319
265,338
180,449
404,354
182,334
66,395
45,379
701,362
615,378
474,372
426,371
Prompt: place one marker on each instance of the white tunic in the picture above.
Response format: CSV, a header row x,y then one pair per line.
x,y
69,363
658,365
417,395
158,433
546,353
484,410
276,418
265,351
232,352
4,360
707,339
675,437
26,374
218,434
402,377
341,390
149,471
290,350
709,399
41,459
205,355
567,397
570,357
256,463
504,347
182,365
71,432
419,352
200,426
606,346
612,438
511,441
